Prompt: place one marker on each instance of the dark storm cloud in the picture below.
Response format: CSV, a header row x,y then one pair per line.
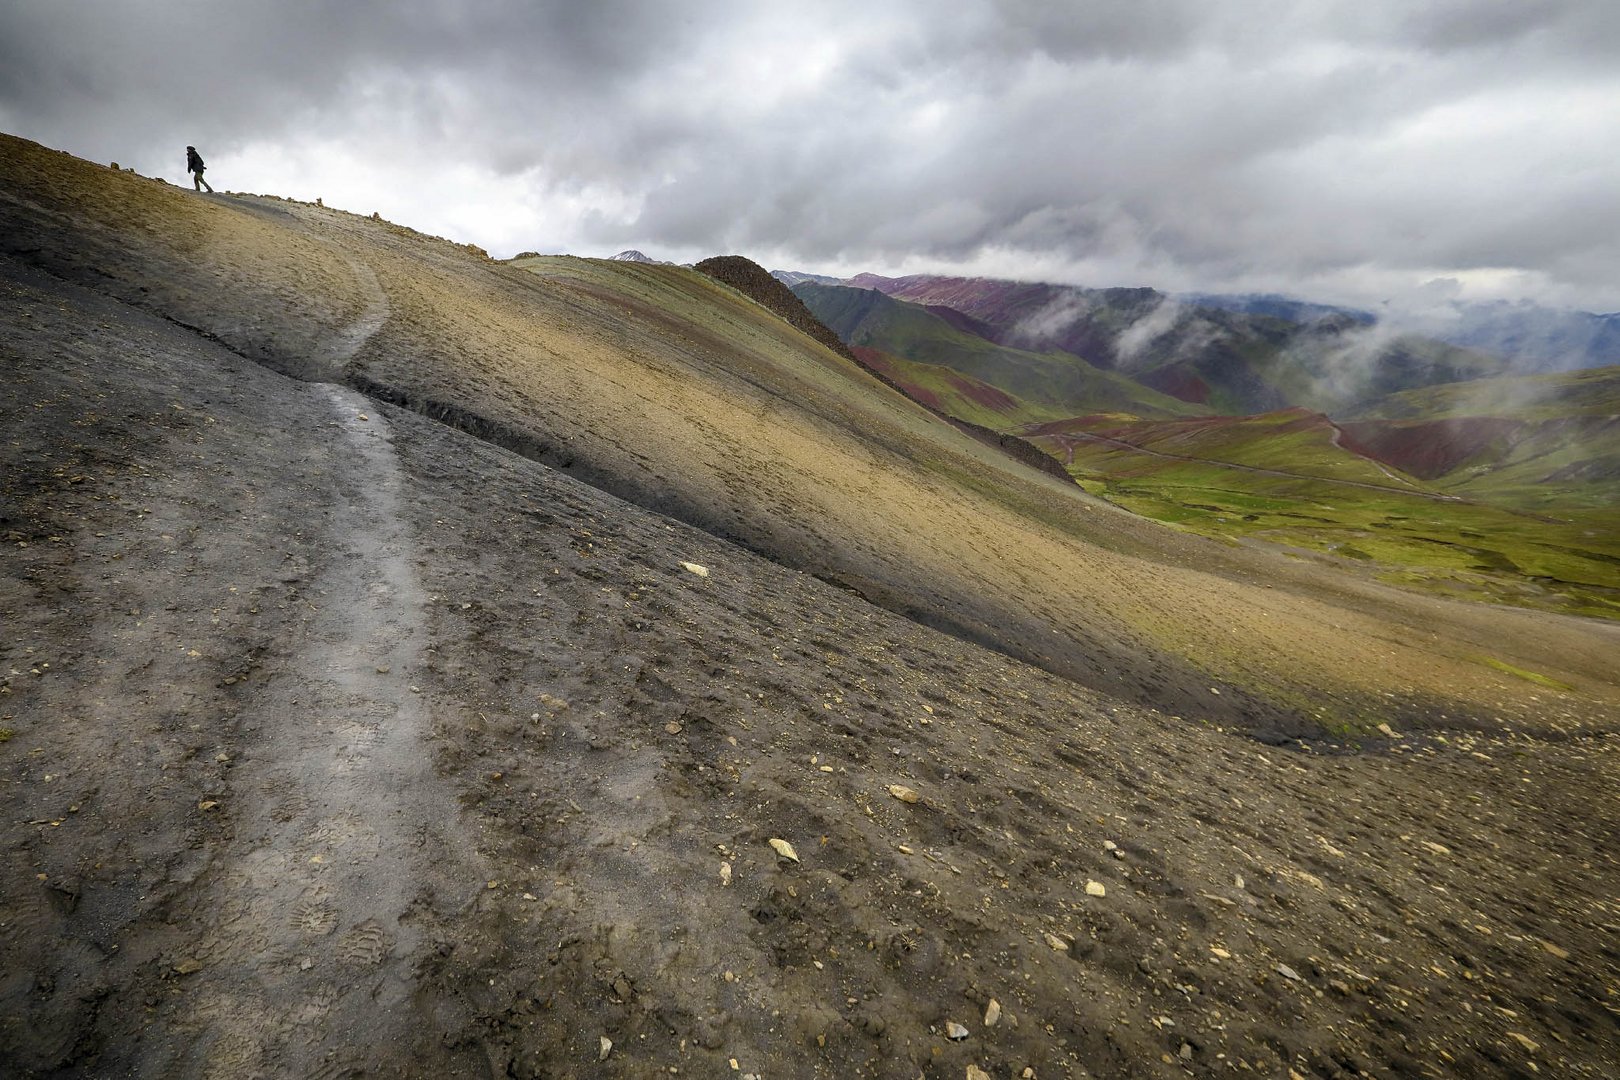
x,y
1360,148
111,64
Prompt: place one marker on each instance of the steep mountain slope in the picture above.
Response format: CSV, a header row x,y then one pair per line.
x,y
956,394
750,279
1595,392
1533,338
1058,380
1231,361
766,290
345,737
1548,443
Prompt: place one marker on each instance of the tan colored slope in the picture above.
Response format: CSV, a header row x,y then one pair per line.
x,y
666,388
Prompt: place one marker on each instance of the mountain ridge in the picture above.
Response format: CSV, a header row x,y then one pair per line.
x,y
1231,361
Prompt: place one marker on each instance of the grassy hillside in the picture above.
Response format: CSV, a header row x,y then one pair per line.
x,y
1593,392
1295,442
1058,381
956,394
1568,468
1543,443
1285,478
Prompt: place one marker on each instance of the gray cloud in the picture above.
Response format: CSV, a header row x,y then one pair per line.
x,y
1349,150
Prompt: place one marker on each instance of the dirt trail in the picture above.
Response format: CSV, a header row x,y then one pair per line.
x,y
348,342
340,853
343,829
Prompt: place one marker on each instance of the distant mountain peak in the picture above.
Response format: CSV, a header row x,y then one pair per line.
x,y
632,255
790,278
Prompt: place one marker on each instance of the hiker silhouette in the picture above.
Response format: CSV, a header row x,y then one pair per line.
x,y
195,166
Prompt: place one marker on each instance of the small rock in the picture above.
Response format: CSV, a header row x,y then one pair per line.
x,y
1387,732
955,1031
784,849
903,793
1558,951
1096,888
605,1050
1220,953
1288,973
1186,1051
1056,942
725,873
992,1013
207,804
1525,1041
673,728
694,568
976,1073
187,966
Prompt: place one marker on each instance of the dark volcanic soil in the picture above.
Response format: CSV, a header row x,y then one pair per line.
x,y
336,742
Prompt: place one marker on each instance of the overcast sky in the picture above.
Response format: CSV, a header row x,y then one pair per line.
x,y
1403,150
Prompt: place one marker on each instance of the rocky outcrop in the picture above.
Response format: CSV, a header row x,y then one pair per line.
x,y
756,283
